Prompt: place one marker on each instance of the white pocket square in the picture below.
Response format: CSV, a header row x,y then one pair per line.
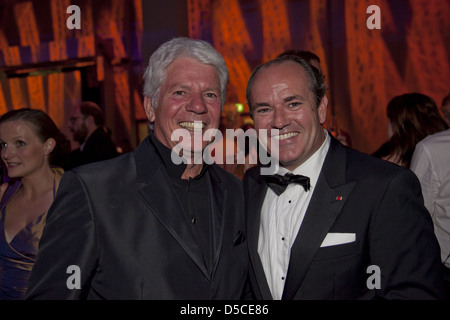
x,y
336,238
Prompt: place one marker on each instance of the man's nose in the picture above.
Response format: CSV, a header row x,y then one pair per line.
x,y
280,119
197,104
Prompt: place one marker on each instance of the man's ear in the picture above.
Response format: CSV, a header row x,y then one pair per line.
x,y
149,110
49,145
322,109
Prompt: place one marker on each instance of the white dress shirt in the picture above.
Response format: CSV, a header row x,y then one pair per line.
x,y
431,164
281,218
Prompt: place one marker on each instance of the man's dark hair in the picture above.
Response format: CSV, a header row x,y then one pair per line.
x,y
305,55
89,108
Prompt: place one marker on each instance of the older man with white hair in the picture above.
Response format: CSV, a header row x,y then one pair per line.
x,y
140,226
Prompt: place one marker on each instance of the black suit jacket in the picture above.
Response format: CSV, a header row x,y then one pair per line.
x,y
98,147
121,224
382,205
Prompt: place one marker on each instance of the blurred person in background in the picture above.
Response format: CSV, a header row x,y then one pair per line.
x,y
412,117
87,123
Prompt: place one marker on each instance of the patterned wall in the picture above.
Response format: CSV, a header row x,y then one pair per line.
x,y
364,68
35,41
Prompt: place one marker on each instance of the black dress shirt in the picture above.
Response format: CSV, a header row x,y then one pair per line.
x,y
194,195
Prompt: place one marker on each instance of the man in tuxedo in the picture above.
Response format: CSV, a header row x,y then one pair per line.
x,y
347,225
87,123
140,226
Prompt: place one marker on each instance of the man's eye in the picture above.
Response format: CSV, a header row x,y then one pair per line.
x,y
262,110
179,93
211,95
294,104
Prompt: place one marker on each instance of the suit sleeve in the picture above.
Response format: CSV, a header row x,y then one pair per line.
x,y
67,254
403,244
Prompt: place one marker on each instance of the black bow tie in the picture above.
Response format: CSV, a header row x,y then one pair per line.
x,y
279,183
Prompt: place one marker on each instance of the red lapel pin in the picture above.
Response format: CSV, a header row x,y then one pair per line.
x,y
339,198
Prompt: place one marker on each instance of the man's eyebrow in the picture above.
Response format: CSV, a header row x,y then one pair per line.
x,y
290,98
179,86
187,87
215,89
287,99
261,104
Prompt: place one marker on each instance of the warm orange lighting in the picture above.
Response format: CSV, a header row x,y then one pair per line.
x,y
36,92
428,58
26,23
18,94
232,40
122,94
199,13
3,108
11,56
365,50
276,34
86,46
56,98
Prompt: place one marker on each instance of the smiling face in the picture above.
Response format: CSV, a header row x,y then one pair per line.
x,y
21,149
282,99
189,99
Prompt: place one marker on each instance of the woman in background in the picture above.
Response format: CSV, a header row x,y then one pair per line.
x,y
412,117
30,145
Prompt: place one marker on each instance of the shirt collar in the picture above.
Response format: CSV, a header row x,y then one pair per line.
x,y
174,170
313,165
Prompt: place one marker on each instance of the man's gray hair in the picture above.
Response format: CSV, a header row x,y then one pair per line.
x,y
182,47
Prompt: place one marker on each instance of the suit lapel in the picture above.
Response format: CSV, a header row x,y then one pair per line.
x,y
151,174
326,203
255,191
319,218
218,209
